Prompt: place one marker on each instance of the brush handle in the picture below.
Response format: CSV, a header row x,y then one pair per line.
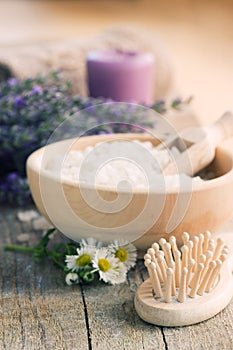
x,y
222,129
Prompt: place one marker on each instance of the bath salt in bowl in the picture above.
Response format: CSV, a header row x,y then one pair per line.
x,y
111,187
111,173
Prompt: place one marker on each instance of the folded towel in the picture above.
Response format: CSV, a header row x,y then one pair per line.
x,y
69,57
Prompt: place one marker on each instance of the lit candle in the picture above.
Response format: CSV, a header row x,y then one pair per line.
x,y
121,75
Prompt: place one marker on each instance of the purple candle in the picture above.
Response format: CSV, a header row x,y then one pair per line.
x,y
121,75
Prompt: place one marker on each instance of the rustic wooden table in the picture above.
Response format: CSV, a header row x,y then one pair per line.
x,y
38,311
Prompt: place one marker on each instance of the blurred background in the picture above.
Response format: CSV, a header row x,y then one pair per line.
x,y
197,35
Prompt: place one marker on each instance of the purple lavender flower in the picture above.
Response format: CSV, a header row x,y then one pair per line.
x,y
3,187
12,177
176,102
37,89
19,101
12,82
30,110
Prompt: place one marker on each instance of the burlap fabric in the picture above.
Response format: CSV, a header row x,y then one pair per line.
x,y
70,56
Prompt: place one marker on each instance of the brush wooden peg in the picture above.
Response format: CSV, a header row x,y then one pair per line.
x,y
200,245
211,245
151,252
225,250
218,248
153,277
209,257
155,246
172,265
190,247
226,246
167,252
147,256
206,278
195,247
173,243
162,266
223,257
182,290
168,286
185,237
161,254
202,261
184,260
162,241
213,276
147,263
207,237
155,281
177,256
196,280
191,264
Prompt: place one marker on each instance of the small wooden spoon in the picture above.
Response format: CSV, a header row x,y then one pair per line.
x,y
197,146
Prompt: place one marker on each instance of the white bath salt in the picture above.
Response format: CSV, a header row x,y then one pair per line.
x,y
27,215
41,223
121,172
104,165
23,237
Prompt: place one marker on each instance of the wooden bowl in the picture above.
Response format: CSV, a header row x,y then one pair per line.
x,y
207,206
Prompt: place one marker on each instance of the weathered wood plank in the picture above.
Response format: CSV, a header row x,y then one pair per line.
x,y
37,310
213,334
113,321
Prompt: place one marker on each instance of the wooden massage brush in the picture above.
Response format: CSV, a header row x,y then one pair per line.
x,y
186,285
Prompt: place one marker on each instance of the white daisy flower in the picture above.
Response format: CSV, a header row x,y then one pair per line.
x,y
110,268
72,278
125,252
81,260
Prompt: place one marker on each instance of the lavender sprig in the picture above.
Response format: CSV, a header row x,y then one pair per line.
x,y
31,109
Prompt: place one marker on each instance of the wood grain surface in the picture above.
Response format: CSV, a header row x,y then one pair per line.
x,y
38,311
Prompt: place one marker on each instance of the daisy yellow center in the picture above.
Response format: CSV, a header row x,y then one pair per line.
x,y
121,254
83,260
104,265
